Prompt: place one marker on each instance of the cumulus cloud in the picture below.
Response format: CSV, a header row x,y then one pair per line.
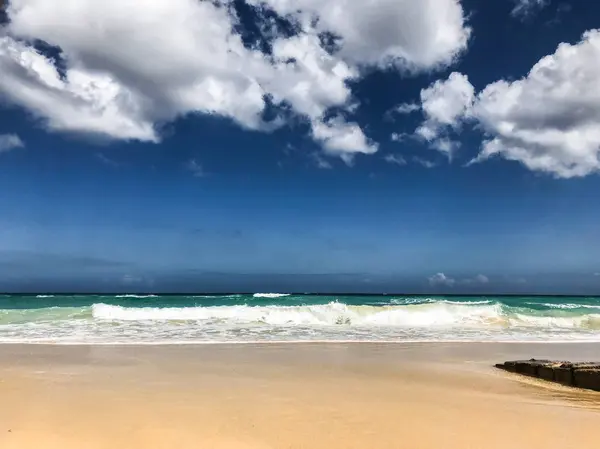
x,y
408,34
441,279
406,108
549,120
479,279
398,137
344,139
10,142
445,103
125,67
424,162
524,8
445,145
395,159
81,102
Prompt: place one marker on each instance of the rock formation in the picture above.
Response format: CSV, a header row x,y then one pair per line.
x,y
581,375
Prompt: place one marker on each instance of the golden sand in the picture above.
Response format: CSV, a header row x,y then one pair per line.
x,y
317,396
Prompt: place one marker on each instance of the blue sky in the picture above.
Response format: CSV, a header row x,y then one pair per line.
x,y
182,145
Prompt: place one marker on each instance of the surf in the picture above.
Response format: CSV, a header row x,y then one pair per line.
x,y
438,314
106,319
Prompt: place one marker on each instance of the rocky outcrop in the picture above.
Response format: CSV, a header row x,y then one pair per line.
x,y
582,375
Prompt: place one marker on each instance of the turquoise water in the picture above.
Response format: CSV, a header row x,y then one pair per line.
x,y
131,319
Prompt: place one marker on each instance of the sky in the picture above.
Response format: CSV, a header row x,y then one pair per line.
x,y
438,146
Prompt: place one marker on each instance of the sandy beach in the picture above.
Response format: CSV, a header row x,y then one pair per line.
x,y
289,396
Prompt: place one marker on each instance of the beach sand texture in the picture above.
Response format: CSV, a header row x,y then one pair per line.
x,y
273,396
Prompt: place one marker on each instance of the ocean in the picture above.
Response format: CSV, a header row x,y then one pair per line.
x,y
271,317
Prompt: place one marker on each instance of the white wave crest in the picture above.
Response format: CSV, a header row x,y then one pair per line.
x,y
270,295
590,321
135,296
564,306
418,300
45,296
425,315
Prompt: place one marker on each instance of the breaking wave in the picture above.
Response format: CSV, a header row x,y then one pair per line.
x,y
439,314
136,296
273,317
270,295
565,306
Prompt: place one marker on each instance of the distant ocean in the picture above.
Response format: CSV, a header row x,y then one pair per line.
x,y
270,317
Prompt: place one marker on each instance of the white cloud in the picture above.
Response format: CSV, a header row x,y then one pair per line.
x,y
441,279
128,72
10,142
482,279
406,108
195,168
344,139
445,103
315,82
411,35
321,162
395,159
479,279
132,65
524,8
398,137
549,120
445,145
424,162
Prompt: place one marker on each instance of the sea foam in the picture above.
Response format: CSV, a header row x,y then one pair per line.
x,y
136,296
439,314
270,295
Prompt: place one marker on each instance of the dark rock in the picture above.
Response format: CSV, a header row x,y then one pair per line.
x,y
527,367
582,375
530,367
546,372
586,365
564,374
510,366
588,378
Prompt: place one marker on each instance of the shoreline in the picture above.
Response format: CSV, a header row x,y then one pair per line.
x,y
272,396
302,342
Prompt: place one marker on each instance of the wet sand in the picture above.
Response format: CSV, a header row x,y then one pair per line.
x,y
290,396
